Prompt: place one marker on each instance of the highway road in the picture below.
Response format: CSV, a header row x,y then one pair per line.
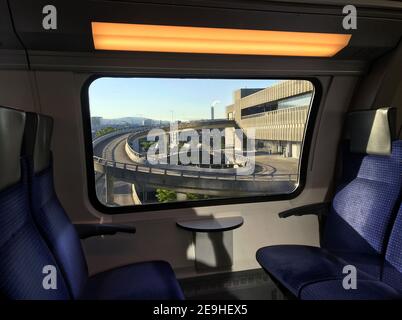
x,y
113,149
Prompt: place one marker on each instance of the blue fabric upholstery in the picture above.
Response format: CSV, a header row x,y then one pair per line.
x,y
23,253
392,273
58,231
355,223
366,263
356,232
333,290
295,266
141,281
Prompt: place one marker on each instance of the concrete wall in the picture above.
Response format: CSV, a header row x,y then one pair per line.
x,y
280,125
100,139
132,154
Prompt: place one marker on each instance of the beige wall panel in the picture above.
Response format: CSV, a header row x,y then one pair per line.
x,y
16,90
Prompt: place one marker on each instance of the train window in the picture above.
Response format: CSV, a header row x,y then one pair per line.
x,y
158,141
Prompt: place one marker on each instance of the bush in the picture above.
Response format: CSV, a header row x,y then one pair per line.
x,y
104,131
165,195
145,145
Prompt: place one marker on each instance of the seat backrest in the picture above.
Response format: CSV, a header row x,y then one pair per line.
x,y
50,217
392,269
367,196
24,256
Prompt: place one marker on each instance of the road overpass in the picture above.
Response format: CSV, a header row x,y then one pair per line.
x,y
112,162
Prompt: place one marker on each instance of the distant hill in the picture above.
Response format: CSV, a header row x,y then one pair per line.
x,y
133,121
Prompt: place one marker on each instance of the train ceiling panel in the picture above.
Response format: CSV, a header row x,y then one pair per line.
x,y
8,39
378,30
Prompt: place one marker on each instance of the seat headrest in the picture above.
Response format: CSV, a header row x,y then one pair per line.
x,y
12,124
38,136
372,131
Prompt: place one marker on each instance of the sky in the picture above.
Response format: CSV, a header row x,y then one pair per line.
x,y
165,99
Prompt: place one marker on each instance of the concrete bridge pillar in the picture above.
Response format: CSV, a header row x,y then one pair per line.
x,y
181,196
230,144
144,194
109,181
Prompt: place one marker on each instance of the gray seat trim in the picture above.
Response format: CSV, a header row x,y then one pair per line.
x,y
39,130
12,124
42,153
372,131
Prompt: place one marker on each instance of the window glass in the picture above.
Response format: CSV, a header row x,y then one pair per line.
x,y
159,140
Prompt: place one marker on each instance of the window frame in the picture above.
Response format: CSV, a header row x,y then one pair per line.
x,y
90,172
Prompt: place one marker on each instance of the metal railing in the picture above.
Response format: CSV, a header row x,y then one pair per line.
x,y
191,173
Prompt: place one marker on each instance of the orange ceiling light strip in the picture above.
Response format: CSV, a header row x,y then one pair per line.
x,y
157,38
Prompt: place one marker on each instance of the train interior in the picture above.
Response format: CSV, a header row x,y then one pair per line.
x,y
200,150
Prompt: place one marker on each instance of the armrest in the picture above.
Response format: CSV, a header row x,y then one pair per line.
x,y
319,209
91,230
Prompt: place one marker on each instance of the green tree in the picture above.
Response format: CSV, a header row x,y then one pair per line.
x,y
165,195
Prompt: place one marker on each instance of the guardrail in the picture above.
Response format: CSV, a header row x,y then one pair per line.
x,y
160,161
100,139
186,180
191,173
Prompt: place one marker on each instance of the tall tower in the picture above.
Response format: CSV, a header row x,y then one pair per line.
x,y
213,104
